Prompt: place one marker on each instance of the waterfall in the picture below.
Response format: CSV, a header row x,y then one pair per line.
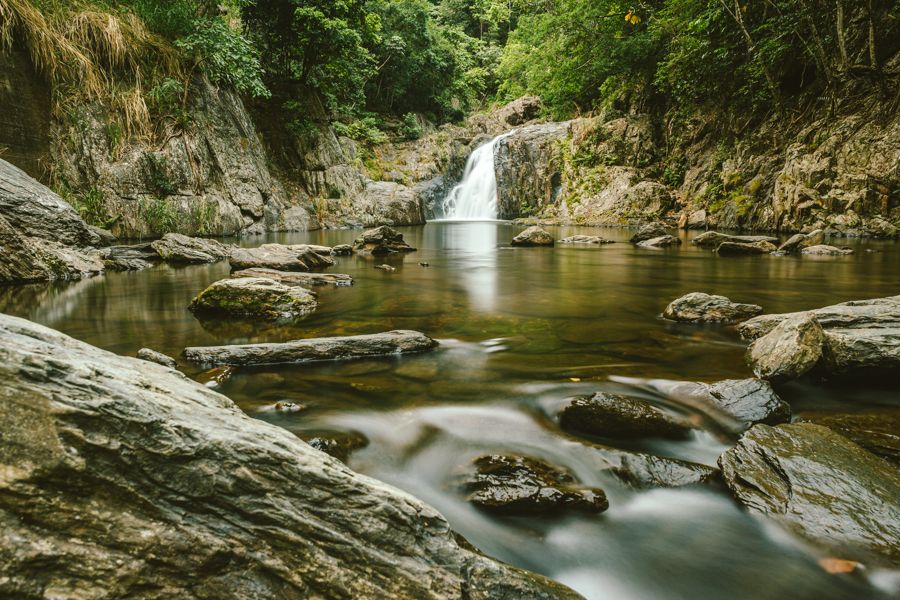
x,y
475,197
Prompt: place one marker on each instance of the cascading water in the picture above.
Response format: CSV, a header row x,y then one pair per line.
x,y
475,197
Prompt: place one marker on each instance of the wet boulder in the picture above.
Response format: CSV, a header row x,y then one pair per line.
x,y
533,236
381,240
819,485
876,430
789,351
156,357
125,479
133,257
342,250
585,239
339,444
178,248
799,241
279,257
698,307
745,249
825,250
520,485
313,349
297,278
621,417
663,241
750,401
648,232
254,297
713,239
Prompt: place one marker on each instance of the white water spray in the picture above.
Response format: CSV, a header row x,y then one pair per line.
x,y
475,197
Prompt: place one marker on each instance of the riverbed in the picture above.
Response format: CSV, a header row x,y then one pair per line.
x,y
521,330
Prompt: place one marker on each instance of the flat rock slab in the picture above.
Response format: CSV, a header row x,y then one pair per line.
x,y
698,307
877,313
621,417
315,349
533,236
585,239
297,278
279,257
257,297
742,249
825,250
713,239
108,461
820,485
521,485
876,430
663,241
177,248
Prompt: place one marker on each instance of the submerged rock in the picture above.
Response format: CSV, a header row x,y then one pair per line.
x,y
660,242
790,350
126,479
519,485
621,417
302,351
648,232
800,241
585,239
339,444
381,240
876,430
698,307
820,485
824,250
862,335
177,248
279,257
297,278
533,236
742,249
254,297
156,357
713,239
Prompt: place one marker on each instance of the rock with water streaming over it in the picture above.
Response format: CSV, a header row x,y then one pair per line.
x,y
698,307
309,350
820,485
533,236
124,479
280,257
297,278
520,485
621,417
254,297
381,240
648,232
713,239
178,248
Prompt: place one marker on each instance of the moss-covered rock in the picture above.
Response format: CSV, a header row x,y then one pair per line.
x,y
254,297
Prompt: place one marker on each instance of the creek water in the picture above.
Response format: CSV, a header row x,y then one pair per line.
x,y
521,330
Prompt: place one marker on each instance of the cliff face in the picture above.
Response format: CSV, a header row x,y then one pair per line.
x,y
24,115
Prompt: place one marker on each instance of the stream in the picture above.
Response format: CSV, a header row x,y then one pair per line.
x,y
521,330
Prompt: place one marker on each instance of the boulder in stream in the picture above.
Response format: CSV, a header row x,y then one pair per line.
x,y
750,401
713,239
621,417
877,430
698,307
799,241
648,232
298,278
819,485
790,350
825,250
156,357
585,239
663,241
520,485
258,297
533,236
178,248
123,478
280,257
745,249
314,349
134,257
381,240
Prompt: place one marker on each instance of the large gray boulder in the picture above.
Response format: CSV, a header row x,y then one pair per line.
x,y
301,351
862,335
178,248
790,350
123,478
278,256
820,485
698,307
256,297
390,203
